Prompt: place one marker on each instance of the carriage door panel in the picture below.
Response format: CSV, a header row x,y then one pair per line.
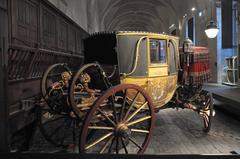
x,y
126,49
172,58
158,58
158,71
171,81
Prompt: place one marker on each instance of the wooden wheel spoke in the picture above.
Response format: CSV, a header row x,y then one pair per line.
x,y
106,144
207,105
140,131
99,140
106,117
114,108
136,111
135,143
207,118
131,106
110,147
117,145
124,104
124,146
206,121
101,128
138,120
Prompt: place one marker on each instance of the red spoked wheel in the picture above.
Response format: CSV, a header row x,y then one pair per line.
x,y
122,120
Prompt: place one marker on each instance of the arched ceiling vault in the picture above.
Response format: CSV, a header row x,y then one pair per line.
x,y
117,11
151,15
137,16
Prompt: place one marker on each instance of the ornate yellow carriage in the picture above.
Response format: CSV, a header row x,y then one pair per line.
x,y
109,103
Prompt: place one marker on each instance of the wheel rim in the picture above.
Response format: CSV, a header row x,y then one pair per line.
x,y
44,82
124,122
207,112
72,91
54,118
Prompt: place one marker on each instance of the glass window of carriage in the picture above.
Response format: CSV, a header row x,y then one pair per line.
x,y
158,51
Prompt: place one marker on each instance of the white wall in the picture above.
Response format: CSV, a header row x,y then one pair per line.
x,y
83,12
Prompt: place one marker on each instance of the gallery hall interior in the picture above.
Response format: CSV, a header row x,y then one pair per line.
x,y
109,78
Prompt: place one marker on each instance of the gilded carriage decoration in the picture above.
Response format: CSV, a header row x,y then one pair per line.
x,y
109,103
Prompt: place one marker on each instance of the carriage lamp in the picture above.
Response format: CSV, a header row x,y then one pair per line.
x,y
187,49
211,29
187,46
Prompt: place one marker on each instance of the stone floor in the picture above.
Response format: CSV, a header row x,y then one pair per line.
x,y
179,132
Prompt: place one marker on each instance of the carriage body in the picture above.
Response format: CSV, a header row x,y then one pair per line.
x,y
149,60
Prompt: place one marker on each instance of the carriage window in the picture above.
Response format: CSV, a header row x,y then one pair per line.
x,y
158,51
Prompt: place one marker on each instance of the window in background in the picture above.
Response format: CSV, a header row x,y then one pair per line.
x,y
191,29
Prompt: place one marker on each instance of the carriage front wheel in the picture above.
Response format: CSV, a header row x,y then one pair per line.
x,y
122,120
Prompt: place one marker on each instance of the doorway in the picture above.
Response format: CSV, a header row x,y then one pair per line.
x,y
227,42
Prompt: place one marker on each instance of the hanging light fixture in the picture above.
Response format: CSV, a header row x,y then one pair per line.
x,y
211,28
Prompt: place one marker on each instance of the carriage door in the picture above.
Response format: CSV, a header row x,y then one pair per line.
x,y
158,70
172,65
172,55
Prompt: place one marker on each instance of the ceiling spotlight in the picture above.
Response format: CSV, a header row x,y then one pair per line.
x,y
200,14
211,29
193,9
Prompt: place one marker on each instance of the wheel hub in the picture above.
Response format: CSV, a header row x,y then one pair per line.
x,y
121,130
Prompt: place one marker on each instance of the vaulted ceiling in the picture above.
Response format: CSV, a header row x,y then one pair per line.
x,y
147,15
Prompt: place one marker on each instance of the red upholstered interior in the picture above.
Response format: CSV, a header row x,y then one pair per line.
x,y
196,65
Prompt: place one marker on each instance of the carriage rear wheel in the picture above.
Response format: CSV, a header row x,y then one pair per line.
x,y
123,123
207,112
56,120
51,76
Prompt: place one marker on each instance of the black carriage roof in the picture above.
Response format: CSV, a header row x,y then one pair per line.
x,y
101,46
